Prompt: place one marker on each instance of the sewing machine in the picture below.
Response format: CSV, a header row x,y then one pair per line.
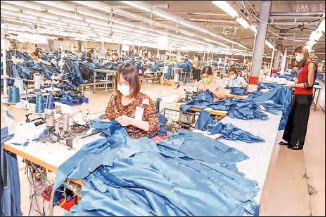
x,y
67,123
190,92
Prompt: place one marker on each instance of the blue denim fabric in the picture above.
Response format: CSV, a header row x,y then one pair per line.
x,y
231,132
239,91
186,66
239,108
201,101
280,95
136,178
10,188
205,122
162,120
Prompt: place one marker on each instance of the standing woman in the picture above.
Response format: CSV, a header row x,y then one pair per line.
x,y
198,67
296,127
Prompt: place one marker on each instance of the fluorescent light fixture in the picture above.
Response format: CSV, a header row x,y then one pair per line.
x,y
92,15
253,28
226,8
3,26
165,16
269,44
323,61
57,4
186,24
137,6
93,5
243,22
26,5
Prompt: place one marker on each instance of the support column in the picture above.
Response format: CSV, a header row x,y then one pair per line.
x,y
259,46
270,67
102,50
283,63
277,60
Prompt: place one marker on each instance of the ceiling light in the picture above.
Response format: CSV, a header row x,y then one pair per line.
x,y
243,22
186,24
26,5
269,44
226,8
92,5
165,16
137,6
253,28
57,4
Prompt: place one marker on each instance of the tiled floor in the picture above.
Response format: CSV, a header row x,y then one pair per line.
x,y
292,174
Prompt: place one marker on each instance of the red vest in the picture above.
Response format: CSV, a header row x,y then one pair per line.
x,y
302,78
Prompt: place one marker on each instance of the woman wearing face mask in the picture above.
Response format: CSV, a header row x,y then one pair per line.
x,y
234,80
129,107
296,127
244,73
209,83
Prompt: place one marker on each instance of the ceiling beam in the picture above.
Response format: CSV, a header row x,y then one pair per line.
x,y
315,14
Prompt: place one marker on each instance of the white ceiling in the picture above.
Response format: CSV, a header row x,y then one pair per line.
x,y
201,26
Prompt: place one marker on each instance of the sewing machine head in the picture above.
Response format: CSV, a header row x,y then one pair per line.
x,y
190,92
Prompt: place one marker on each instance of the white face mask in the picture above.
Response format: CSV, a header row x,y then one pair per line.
x,y
233,76
124,90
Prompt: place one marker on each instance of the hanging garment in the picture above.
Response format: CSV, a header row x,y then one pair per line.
x,y
125,176
204,122
10,185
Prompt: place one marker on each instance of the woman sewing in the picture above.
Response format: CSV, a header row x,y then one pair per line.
x,y
129,107
209,83
235,80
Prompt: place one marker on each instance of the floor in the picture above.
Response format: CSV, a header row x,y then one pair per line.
x,y
295,183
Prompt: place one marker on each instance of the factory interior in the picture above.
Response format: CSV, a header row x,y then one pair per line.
x,y
163,108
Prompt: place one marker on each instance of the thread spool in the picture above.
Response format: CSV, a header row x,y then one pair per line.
x,y
13,95
50,120
20,84
39,107
37,81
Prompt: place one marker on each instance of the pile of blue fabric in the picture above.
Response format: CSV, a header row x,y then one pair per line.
x,y
239,108
18,55
228,131
127,176
239,91
201,101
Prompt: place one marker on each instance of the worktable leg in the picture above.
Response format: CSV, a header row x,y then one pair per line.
x,y
317,99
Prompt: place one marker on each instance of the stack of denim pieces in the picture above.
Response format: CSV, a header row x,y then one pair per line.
x,y
125,176
239,91
201,101
228,131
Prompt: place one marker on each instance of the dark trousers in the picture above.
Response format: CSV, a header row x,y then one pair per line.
x,y
296,127
197,74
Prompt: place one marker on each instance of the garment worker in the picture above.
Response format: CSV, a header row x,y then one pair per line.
x,y
198,67
129,107
244,73
235,80
89,57
209,83
36,57
296,127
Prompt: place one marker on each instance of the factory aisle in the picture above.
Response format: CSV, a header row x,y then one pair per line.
x,y
290,174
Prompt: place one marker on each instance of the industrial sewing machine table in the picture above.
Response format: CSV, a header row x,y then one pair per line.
x,y
51,156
